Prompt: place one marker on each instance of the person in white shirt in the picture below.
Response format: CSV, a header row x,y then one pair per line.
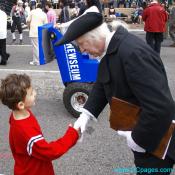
x,y
3,36
36,18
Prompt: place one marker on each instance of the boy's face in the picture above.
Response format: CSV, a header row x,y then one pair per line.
x,y
30,98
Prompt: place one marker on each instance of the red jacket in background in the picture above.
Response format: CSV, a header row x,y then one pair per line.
x,y
155,18
33,155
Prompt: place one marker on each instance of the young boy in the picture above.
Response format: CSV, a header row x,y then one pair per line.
x,y
31,152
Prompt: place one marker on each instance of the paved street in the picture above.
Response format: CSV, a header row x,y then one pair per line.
x,y
102,150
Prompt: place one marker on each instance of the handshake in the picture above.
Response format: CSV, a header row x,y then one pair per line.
x,y
85,116
81,123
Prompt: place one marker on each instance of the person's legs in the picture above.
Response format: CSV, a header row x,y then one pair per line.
x,y
150,39
19,27
157,46
7,54
147,164
172,33
13,27
3,52
35,51
158,40
0,49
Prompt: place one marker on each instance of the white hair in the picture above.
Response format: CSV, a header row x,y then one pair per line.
x,y
98,32
117,23
103,30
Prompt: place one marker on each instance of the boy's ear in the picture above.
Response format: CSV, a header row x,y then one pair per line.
x,y
20,105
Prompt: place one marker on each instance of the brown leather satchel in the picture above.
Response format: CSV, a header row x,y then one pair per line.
x,y
124,116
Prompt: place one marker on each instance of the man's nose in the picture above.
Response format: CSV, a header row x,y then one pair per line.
x,y
82,49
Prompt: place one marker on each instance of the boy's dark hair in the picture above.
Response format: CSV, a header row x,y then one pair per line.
x,y
14,89
39,6
48,4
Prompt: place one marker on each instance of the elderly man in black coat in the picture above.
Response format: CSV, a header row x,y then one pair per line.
x,y
132,71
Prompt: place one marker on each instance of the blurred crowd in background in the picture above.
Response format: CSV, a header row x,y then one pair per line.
x,y
33,13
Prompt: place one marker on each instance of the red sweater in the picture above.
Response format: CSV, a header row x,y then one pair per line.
x,y
155,18
31,152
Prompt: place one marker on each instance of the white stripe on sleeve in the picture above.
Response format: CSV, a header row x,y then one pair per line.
x,y
32,141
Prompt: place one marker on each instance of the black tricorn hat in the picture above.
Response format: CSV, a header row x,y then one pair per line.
x,y
80,26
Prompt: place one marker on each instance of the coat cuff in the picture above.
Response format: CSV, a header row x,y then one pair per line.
x,y
92,117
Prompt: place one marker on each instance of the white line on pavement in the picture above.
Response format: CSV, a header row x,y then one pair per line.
x,y
35,71
23,45
135,30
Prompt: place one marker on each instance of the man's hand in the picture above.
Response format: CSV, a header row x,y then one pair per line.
x,y
57,26
81,122
130,141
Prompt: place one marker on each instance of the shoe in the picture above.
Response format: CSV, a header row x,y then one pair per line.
x,y
33,63
172,45
7,56
20,42
3,62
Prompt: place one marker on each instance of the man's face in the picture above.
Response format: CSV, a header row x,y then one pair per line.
x,y
91,45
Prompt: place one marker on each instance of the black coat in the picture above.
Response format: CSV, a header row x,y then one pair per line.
x,y
132,71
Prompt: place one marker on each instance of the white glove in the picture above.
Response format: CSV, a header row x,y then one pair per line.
x,y
81,122
130,141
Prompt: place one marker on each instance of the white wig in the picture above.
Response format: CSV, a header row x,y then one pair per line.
x,y
103,30
116,23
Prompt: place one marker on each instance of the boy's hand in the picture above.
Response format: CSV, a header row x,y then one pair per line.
x,y
77,129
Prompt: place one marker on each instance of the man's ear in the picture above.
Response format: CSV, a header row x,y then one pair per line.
x,y
20,105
